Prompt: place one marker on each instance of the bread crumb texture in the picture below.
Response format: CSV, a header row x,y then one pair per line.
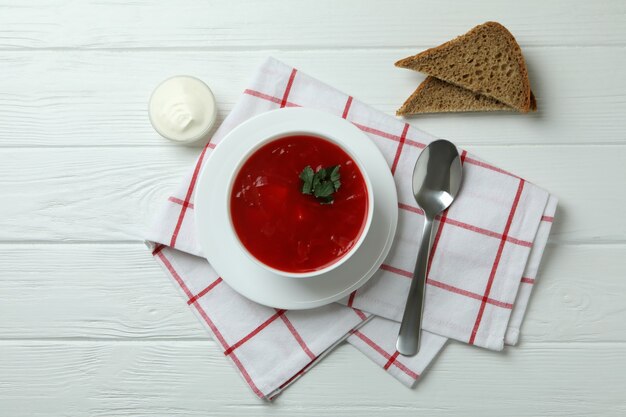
x,y
437,96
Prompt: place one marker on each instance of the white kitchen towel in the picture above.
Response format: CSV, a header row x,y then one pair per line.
x,y
272,348
377,340
530,273
480,253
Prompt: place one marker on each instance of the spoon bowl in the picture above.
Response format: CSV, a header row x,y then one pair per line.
x,y
437,177
436,182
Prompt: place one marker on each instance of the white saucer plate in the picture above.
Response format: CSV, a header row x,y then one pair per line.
x,y
220,244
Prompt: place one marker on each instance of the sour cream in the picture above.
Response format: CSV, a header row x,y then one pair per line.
x,y
182,109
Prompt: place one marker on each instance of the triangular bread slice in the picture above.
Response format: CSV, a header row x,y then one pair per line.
x,y
486,60
436,96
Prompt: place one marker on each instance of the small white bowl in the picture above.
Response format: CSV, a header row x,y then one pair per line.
x,y
370,204
182,102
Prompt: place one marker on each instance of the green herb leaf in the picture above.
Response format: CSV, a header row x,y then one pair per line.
x,y
325,189
316,182
335,176
322,184
307,176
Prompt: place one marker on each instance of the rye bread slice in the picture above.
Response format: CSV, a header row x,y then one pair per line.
x,y
437,96
486,60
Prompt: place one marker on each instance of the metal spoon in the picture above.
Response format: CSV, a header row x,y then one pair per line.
x,y
436,182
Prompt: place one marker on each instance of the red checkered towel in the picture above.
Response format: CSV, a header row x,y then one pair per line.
x,y
484,259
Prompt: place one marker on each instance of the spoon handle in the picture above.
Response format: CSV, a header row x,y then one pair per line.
x,y
408,342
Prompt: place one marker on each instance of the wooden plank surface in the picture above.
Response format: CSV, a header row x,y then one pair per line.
x,y
43,378
89,325
310,24
99,98
115,291
82,194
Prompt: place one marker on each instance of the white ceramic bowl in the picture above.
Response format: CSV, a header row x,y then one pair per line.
x,y
182,97
370,201
220,245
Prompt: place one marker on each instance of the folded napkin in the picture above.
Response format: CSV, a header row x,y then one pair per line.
x,y
484,260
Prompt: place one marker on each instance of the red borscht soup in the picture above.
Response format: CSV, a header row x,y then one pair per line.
x,y
285,228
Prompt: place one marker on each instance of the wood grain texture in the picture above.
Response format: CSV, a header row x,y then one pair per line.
x,y
89,325
99,98
310,24
103,194
191,378
103,291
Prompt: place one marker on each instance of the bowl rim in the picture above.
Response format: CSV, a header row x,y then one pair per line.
x,y
368,186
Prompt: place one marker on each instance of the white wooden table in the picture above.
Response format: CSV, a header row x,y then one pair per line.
x,y
89,325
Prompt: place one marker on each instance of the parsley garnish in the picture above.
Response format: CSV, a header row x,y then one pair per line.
x,y
321,184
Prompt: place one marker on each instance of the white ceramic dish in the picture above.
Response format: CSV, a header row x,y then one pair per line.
x,y
368,220
226,254
182,109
